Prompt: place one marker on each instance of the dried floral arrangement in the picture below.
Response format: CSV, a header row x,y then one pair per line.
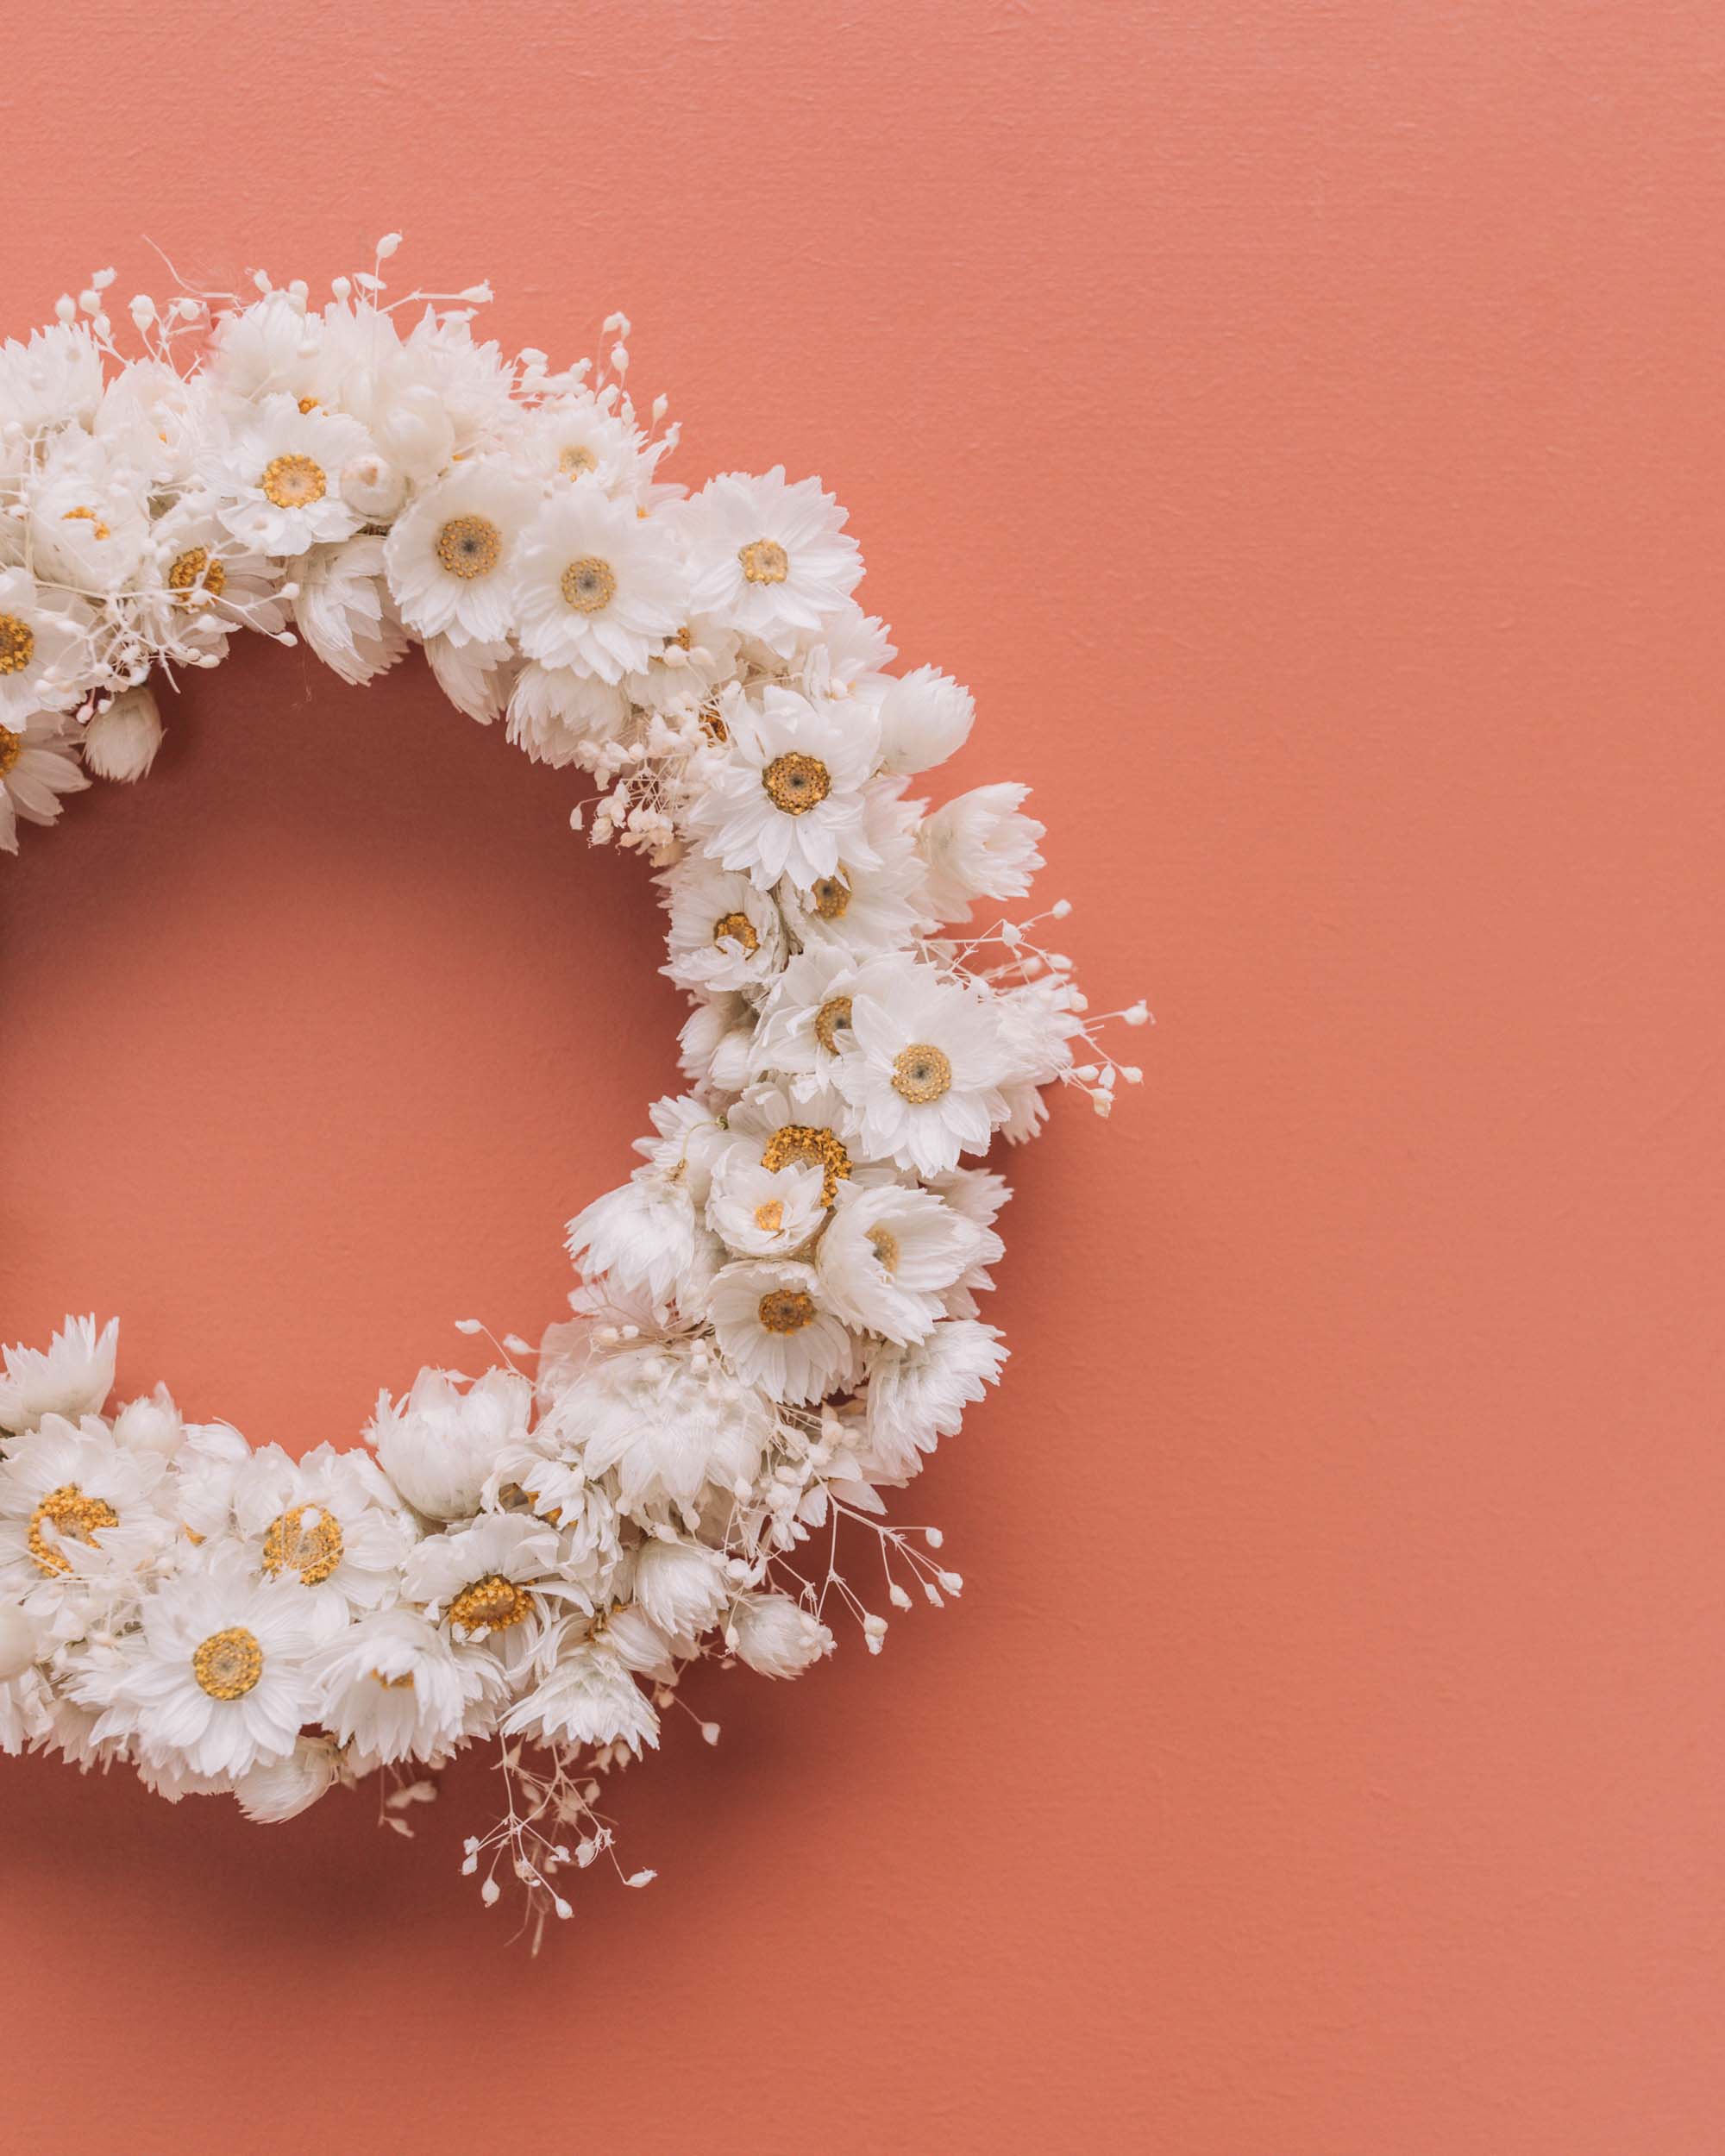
x,y
775,1318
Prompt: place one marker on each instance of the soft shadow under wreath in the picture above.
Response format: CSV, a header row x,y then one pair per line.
x,y
775,1317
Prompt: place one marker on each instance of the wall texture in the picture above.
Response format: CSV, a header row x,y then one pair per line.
x,y
1302,426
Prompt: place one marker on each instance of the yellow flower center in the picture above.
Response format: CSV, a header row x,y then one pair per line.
x,y
574,458
832,1018
70,1512
796,783
589,585
293,482
17,644
228,1664
921,1074
81,515
196,569
469,546
392,1684
11,748
831,896
886,1248
711,723
308,404
494,1601
770,1218
764,561
739,926
313,1551
787,1310
810,1148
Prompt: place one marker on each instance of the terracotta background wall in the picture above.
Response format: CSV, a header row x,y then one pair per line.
x,y
1302,425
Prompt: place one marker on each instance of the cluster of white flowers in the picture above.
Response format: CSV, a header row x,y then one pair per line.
x,y
777,1314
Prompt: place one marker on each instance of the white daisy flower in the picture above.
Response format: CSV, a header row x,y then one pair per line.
x,y
776,1636
888,1257
207,1469
215,1676
689,1139
787,799
330,1522
73,1506
724,932
343,608
805,1120
55,376
774,560
681,1585
150,1423
589,1698
569,440
72,1377
48,659
849,653
270,347
440,1443
600,588
917,1394
203,585
86,522
450,556
926,1066
560,716
38,764
672,1424
762,1212
395,1686
779,1331
804,1021
979,847
648,1236
493,1580
278,478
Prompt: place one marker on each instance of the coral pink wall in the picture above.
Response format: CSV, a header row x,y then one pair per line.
x,y
1302,426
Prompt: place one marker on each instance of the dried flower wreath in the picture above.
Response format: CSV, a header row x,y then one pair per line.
x,y
776,1318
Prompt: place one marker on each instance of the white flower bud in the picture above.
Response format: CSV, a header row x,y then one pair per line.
x,y
282,1789
121,742
778,1638
924,717
150,1424
440,1445
681,1585
373,488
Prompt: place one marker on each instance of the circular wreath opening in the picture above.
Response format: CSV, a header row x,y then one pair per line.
x,y
775,1318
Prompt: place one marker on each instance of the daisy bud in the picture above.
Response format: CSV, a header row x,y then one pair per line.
x,y
874,1626
1138,1014
376,490
476,295
897,1596
66,307
490,1893
469,1865
342,288
1103,1103
777,1637
260,278
563,1907
151,1424
143,309
933,1537
17,1641
952,1581
387,245
90,303
102,279
1061,908
710,1732
121,742
641,1878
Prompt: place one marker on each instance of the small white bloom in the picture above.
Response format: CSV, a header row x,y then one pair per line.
x,y
150,1424
925,1068
589,1698
724,932
648,1237
773,561
924,717
779,1331
344,610
681,1585
395,1686
477,678
277,481
761,1211
440,1443
889,1254
120,743
450,558
48,653
73,1376
776,1637
489,1580
979,847
668,1428
787,799
560,716
279,1789
918,1394
600,588
38,764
